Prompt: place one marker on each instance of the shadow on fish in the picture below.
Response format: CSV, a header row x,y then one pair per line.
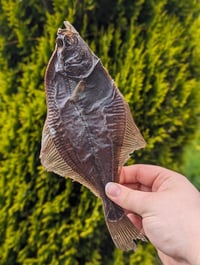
x,y
89,131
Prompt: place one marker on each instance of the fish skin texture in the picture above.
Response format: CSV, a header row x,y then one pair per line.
x,y
89,131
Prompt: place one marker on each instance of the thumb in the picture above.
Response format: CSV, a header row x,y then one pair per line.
x,y
129,199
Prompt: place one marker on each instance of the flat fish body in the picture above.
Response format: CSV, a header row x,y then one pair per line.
x,y
89,131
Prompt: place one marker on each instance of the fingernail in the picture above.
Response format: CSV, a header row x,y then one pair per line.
x,y
112,189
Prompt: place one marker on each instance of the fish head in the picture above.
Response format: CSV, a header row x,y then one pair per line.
x,y
74,57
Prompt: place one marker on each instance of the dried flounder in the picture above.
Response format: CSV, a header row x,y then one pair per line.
x,y
89,131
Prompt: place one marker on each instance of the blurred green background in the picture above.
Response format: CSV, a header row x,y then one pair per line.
x,y
151,49
191,166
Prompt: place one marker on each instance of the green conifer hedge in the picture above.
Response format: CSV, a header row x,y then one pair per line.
x,y
151,48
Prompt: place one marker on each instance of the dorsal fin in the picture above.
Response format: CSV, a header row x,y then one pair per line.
x,y
133,140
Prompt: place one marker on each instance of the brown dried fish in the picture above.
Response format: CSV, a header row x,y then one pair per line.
x,y
89,131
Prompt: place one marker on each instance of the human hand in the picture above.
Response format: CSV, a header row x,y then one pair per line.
x,y
165,206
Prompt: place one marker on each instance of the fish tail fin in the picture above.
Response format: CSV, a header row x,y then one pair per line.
x,y
123,233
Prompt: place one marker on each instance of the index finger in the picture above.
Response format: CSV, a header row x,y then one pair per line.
x,y
147,175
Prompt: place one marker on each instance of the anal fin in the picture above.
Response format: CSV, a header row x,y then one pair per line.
x,y
52,161
50,158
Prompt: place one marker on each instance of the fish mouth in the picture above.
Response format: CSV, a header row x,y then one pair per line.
x,y
68,28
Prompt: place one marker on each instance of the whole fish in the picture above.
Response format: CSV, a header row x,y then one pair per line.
x,y
89,131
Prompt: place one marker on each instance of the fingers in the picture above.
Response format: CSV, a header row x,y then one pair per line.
x,y
146,175
136,220
132,200
138,186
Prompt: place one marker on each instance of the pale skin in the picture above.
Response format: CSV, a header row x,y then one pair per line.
x,y
165,206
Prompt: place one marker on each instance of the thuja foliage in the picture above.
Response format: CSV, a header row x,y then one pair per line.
x,y
151,48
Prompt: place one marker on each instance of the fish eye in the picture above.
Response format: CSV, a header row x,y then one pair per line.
x,y
68,41
59,43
